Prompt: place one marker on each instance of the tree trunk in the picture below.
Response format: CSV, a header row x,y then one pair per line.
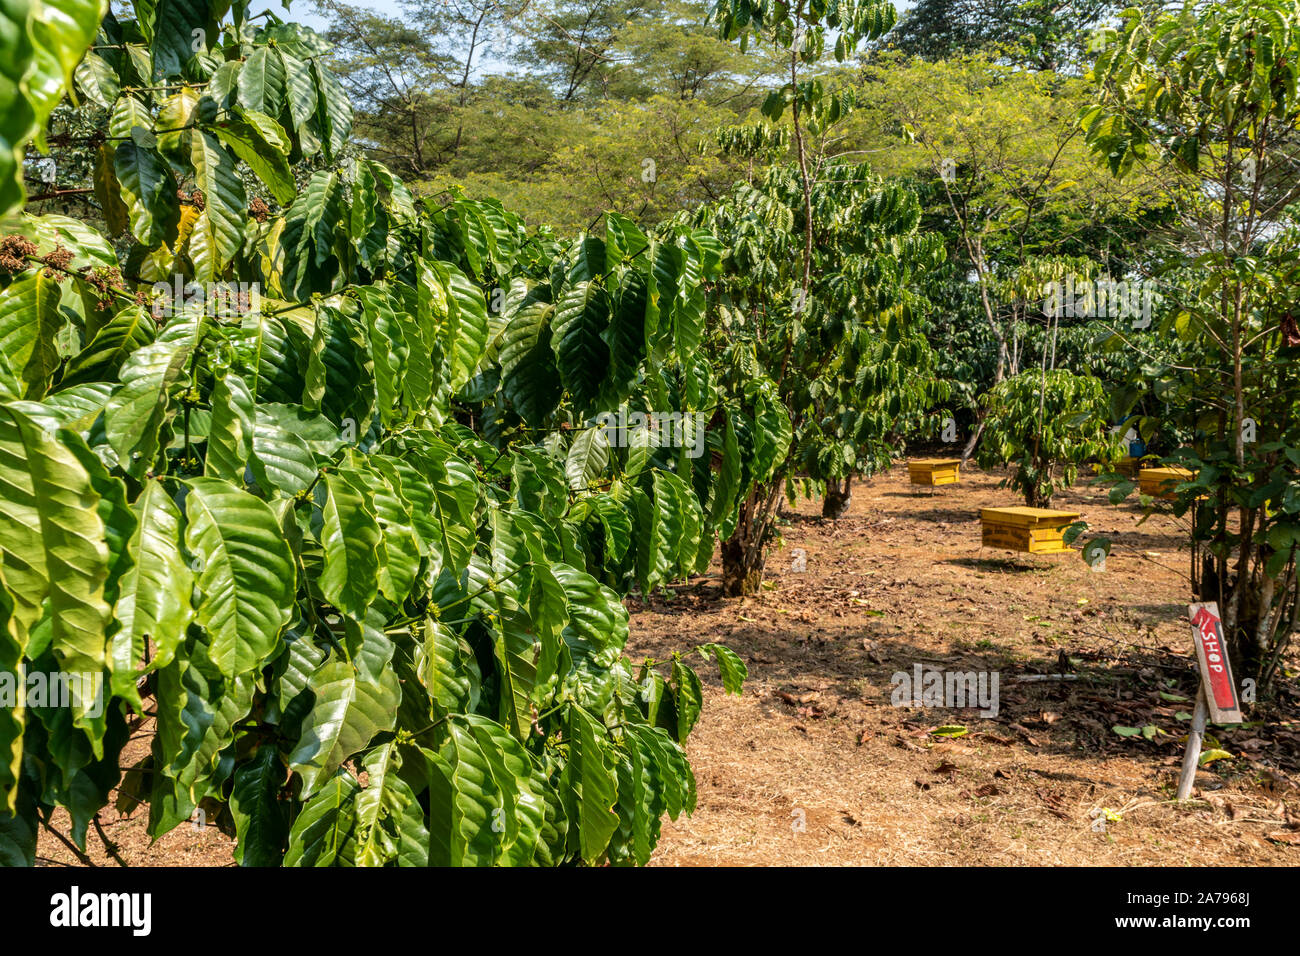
x,y
744,553
976,251
741,574
838,497
974,436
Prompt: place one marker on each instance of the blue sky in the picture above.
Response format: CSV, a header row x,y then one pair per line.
x,y
303,11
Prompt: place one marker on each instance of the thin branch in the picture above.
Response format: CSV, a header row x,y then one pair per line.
x,y
109,845
72,847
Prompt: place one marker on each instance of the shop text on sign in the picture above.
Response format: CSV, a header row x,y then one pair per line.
x,y
1216,672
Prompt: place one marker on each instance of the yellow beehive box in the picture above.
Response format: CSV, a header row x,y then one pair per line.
x,y
1032,530
933,471
1160,482
1128,466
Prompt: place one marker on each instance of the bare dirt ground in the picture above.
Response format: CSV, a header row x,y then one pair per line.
x,y
814,766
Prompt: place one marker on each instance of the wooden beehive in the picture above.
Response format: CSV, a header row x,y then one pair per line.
x,y
1160,482
933,471
1128,467
1032,530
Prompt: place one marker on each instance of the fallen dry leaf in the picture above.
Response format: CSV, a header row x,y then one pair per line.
x,y
1029,738
1053,802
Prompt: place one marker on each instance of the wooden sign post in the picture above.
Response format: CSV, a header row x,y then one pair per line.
x,y
1216,699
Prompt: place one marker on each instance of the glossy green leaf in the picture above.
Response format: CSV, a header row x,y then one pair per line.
x,y
245,573
347,714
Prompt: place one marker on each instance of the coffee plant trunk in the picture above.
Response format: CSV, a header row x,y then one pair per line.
x,y
974,439
743,554
839,496
1038,494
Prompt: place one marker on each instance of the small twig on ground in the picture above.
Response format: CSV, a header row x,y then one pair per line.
x,y
1028,677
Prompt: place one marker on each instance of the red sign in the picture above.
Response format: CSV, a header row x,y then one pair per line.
x,y
1216,671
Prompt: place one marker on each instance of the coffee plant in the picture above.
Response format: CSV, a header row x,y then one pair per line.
x,y
297,470
813,325
1208,98
1046,424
